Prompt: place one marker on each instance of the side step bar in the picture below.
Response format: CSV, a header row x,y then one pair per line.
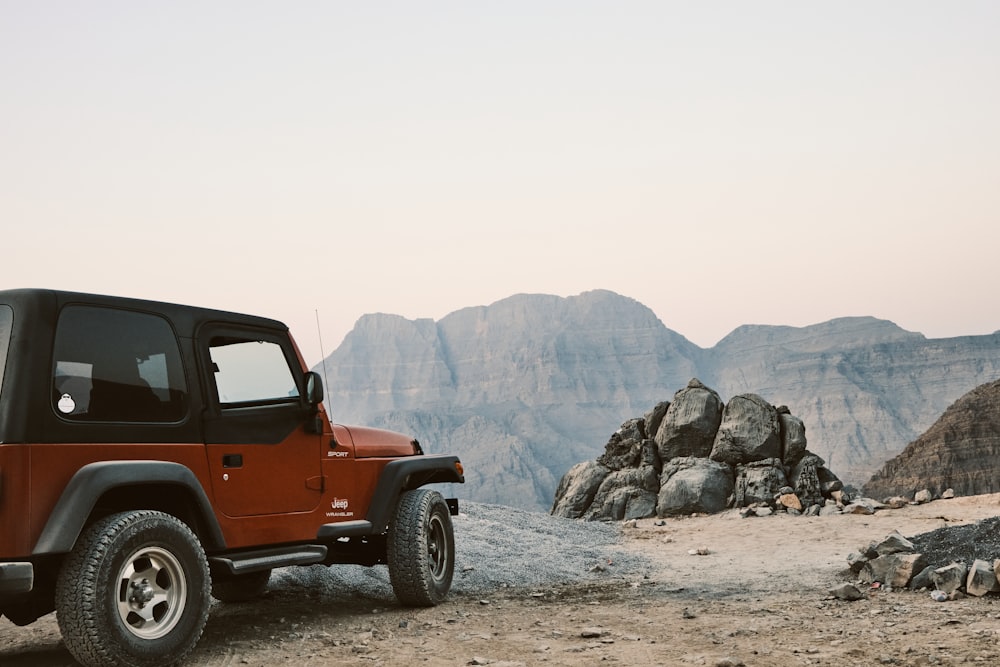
x,y
264,559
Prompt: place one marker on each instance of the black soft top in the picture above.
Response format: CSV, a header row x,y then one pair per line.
x,y
30,316
43,305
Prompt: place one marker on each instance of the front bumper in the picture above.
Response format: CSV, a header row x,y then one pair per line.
x,y
16,578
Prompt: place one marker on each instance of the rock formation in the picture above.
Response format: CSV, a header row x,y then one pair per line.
x,y
961,451
703,457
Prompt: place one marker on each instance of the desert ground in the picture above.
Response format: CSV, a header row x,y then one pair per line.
x,y
759,596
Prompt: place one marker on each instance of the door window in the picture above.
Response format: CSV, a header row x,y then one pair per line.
x,y
251,372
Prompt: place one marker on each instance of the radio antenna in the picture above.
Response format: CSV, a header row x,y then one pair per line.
x,y
326,379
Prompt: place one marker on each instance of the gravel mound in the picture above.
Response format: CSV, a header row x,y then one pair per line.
x,y
960,544
497,548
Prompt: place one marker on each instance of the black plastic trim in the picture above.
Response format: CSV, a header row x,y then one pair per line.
x,y
266,559
94,479
16,578
334,531
405,474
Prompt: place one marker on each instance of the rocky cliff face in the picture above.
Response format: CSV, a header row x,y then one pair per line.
x,y
960,451
527,387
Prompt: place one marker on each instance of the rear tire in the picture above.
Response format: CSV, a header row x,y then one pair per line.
x,y
240,587
421,549
134,591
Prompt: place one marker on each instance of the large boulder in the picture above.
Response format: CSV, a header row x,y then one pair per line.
x,y
624,448
806,480
793,437
749,431
691,484
626,494
690,423
577,489
655,417
758,482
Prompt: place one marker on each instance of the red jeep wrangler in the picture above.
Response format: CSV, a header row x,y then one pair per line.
x,y
153,454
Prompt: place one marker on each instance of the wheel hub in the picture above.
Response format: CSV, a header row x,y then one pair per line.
x,y
142,593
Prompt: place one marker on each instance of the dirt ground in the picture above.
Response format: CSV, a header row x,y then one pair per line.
x,y
758,597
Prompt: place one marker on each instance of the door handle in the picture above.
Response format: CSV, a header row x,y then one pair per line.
x,y
232,460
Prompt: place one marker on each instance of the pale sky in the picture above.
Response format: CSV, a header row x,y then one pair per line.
x,y
724,163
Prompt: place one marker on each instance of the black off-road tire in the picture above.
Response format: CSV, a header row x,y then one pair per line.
x,y
421,549
133,592
240,587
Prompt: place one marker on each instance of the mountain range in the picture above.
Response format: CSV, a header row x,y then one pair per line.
x,y
528,386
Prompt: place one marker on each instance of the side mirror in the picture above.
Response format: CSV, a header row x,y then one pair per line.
x,y
314,389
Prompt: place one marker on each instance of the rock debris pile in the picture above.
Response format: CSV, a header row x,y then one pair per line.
x,y
950,562
697,455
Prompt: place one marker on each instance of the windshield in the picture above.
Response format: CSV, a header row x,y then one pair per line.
x,y
6,320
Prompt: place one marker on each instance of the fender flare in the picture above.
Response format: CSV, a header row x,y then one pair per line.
x,y
68,517
406,474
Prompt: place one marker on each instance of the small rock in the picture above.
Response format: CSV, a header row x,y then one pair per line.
x,y
791,501
894,543
687,613
950,577
847,592
939,596
700,551
948,494
897,502
924,496
593,633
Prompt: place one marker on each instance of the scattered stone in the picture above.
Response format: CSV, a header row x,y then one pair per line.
x,y
856,561
847,592
982,579
593,633
950,577
701,551
939,596
924,496
859,506
894,543
791,501
948,494
922,579
897,502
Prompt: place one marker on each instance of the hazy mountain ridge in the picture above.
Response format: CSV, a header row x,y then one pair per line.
x,y
526,387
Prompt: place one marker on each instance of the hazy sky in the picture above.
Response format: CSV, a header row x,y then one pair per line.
x,y
722,162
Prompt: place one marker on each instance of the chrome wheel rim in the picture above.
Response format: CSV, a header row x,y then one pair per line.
x,y
152,591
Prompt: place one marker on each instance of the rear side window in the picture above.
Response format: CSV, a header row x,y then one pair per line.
x,y
118,366
6,322
251,372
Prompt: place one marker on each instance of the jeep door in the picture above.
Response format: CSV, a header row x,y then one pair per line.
x,y
262,456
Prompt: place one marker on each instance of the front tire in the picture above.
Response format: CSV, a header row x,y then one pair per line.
x,y
133,592
421,549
